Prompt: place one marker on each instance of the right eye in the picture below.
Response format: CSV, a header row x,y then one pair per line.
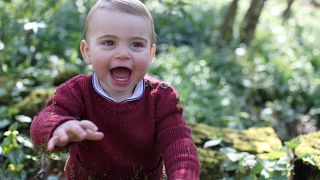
x,y
108,43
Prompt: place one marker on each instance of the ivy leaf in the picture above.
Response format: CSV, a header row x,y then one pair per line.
x,y
234,156
25,141
23,119
212,143
249,160
308,159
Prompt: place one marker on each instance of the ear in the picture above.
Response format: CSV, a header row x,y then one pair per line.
x,y
84,48
152,53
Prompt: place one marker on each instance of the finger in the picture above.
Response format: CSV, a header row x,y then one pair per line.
x,y
57,141
94,136
51,143
86,124
59,138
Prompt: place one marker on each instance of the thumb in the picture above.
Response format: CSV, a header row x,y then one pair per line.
x,y
52,143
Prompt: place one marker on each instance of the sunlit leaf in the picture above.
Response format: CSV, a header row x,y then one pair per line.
x,y
308,159
26,142
23,119
293,143
213,142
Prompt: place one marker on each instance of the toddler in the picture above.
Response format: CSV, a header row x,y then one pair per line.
x,y
118,123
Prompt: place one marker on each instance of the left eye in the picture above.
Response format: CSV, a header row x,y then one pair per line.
x,y
136,45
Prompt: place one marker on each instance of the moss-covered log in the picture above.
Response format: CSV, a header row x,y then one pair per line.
x,y
263,142
307,165
253,140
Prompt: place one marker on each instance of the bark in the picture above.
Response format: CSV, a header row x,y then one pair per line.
x,y
251,20
315,3
287,13
226,28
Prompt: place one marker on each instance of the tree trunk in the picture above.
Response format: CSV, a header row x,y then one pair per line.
x,y
315,3
250,21
287,13
226,28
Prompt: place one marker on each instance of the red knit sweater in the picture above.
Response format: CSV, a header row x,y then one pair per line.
x,y
138,135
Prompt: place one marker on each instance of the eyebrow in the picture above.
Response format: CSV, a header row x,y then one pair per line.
x,y
106,36
115,37
141,39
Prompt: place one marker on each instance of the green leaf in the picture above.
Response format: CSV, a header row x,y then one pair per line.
x,y
25,141
257,168
23,118
293,143
211,143
13,126
308,159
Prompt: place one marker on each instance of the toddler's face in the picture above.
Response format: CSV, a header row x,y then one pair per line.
x,y
118,46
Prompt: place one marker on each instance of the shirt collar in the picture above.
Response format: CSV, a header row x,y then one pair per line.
x,y
137,93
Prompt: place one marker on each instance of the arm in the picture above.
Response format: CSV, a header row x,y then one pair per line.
x,y
174,137
53,121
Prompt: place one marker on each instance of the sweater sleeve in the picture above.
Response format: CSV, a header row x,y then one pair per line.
x,y
65,105
174,138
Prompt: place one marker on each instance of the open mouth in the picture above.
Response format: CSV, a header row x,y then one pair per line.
x,y
121,74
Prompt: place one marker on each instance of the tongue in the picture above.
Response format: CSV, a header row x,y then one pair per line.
x,y
120,74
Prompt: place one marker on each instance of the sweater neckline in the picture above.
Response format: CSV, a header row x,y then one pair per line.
x,y
116,107
137,93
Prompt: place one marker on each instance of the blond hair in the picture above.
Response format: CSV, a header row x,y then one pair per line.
x,y
133,7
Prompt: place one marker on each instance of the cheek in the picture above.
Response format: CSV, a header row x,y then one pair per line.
x,y
99,63
143,63
98,58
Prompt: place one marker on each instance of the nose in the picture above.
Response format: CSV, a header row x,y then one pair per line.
x,y
123,52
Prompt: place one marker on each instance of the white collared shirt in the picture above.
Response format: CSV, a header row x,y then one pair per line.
x,y
137,93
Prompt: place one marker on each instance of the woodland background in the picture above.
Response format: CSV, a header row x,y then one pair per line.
x,y
235,63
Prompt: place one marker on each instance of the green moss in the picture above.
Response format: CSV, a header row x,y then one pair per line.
x,y
210,164
274,155
253,140
34,102
309,147
66,74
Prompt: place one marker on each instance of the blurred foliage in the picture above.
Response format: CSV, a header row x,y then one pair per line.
x,y
273,82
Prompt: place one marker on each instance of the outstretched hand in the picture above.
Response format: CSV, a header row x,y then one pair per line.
x,y
74,131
